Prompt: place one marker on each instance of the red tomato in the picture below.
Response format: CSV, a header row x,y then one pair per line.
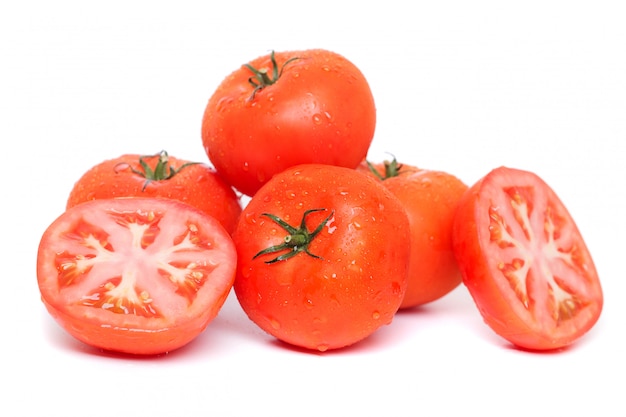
x,y
284,109
135,275
524,261
430,199
322,256
160,175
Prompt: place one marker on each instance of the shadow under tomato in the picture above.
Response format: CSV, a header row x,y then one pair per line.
x,y
383,338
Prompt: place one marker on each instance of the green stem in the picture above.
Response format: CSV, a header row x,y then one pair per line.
x,y
298,239
261,79
162,171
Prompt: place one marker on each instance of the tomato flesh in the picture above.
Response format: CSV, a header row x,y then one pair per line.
x,y
525,262
135,275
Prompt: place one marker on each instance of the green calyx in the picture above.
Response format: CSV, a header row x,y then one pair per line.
x,y
162,171
298,239
261,77
392,169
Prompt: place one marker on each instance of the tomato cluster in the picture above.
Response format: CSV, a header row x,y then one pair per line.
x,y
329,246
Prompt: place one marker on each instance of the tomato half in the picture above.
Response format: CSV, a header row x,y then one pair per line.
x,y
322,256
135,275
284,109
160,175
525,262
430,198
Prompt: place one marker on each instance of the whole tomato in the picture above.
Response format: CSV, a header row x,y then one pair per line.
x,y
430,199
323,255
284,109
160,175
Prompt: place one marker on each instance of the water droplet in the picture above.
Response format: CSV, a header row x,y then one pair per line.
x,y
275,324
245,167
290,194
123,166
317,118
376,315
323,347
355,225
223,103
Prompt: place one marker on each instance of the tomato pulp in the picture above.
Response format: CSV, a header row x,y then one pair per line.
x,y
525,262
135,275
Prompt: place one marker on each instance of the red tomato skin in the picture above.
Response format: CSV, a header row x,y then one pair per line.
x,y
129,333
430,198
198,185
321,110
492,294
359,283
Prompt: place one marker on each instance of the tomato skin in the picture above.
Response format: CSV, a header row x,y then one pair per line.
x,y
561,298
90,268
356,285
430,198
197,184
321,110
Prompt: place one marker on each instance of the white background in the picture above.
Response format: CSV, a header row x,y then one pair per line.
x,y
460,86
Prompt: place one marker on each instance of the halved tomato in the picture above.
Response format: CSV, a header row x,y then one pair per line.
x,y
525,262
135,275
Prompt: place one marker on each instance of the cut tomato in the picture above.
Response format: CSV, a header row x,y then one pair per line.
x,y
525,262
135,275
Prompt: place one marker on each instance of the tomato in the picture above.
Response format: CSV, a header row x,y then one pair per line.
x,y
285,109
135,275
525,262
160,175
322,256
430,199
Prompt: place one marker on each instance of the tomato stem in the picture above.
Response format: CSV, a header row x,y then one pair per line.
x,y
298,239
262,79
162,171
392,169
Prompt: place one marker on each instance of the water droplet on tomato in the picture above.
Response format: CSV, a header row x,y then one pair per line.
x,y
123,166
355,225
396,288
245,167
223,103
250,218
290,194
317,118
376,315
323,347
275,324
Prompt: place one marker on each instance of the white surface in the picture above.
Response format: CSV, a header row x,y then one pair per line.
x,y
461,86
